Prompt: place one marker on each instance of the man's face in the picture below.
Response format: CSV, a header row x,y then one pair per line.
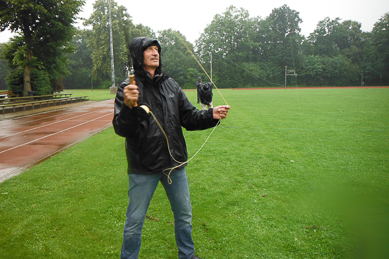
x,y
151,57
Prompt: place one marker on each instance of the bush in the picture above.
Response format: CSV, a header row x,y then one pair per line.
x,y
40,82
106,84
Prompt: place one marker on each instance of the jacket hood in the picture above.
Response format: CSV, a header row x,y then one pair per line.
x,y
206,86
137,47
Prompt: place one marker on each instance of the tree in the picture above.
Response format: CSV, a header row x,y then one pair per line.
x,y
98,39
42,25
381,42
279,40
313,70
80,64
323,38
357,47
177,60
333,38
3,70
230,41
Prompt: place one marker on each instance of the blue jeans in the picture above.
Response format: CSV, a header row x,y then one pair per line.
x,y
141,190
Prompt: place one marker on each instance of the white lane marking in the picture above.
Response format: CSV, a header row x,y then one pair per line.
x,y
52,134
14,134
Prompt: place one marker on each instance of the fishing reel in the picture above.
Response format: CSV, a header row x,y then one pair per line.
x,y
143,109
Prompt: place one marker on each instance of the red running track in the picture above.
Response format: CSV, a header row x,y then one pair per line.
x,y
28,140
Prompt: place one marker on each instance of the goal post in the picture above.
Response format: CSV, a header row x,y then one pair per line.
x,y
289,73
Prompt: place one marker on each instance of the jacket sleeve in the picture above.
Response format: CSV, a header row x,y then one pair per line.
x,y
192,118
126,121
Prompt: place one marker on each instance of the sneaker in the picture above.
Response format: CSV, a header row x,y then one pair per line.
x,y
195,257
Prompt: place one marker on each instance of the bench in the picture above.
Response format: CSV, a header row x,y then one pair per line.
x,y
7,93
47,101
3,94
31,98
9,96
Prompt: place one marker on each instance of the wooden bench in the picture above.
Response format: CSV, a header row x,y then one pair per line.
x,y
7,93
54,101
31,98
3,94
27,98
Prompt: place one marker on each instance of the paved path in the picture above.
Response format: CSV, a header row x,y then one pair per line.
x,y
29,139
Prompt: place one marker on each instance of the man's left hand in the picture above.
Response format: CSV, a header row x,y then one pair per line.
x,y
220,112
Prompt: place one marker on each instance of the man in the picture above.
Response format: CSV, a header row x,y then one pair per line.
x,y
198,84
206,94
147,150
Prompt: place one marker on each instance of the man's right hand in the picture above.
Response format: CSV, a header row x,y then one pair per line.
x,y
131,95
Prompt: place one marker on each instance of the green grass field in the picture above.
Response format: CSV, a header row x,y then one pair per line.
x,y
93,95
290,174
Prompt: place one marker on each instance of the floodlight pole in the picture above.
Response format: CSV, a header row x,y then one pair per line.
x,y
111,45
211,67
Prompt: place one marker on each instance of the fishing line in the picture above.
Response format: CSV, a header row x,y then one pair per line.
x,y
148,111
247,71
171,155
183,42
198,62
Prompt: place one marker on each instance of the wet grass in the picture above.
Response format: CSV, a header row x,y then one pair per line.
x,y
93,95
290,174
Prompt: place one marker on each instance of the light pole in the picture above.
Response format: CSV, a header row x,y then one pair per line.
x,y
211,67
111,45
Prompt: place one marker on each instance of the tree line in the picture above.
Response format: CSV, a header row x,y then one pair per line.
x,y
245,51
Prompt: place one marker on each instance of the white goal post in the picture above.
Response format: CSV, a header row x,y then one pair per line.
x,y
288,73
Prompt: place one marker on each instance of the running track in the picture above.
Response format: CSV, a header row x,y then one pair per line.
x,y
28,140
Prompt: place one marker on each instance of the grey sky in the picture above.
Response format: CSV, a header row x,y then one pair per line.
x,y
191,18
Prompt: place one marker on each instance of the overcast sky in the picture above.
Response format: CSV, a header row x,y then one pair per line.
x,y
191,18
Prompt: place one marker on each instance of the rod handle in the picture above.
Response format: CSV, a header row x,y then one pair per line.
x,y
132,82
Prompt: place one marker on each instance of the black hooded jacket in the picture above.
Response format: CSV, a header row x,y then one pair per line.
x,y
146,145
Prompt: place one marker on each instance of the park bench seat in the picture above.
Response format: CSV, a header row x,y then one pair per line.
x,y
7,93
32,103
32,98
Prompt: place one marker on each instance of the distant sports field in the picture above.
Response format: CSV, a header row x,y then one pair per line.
x,y
291,173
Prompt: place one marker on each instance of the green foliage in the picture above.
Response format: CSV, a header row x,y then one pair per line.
x,y
45,33
3,69
98,39
226,38
324,71
335,40
254,51
177,61
40,82
381,43
14,52
324,38
80,64
246,51
106,84
279,37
